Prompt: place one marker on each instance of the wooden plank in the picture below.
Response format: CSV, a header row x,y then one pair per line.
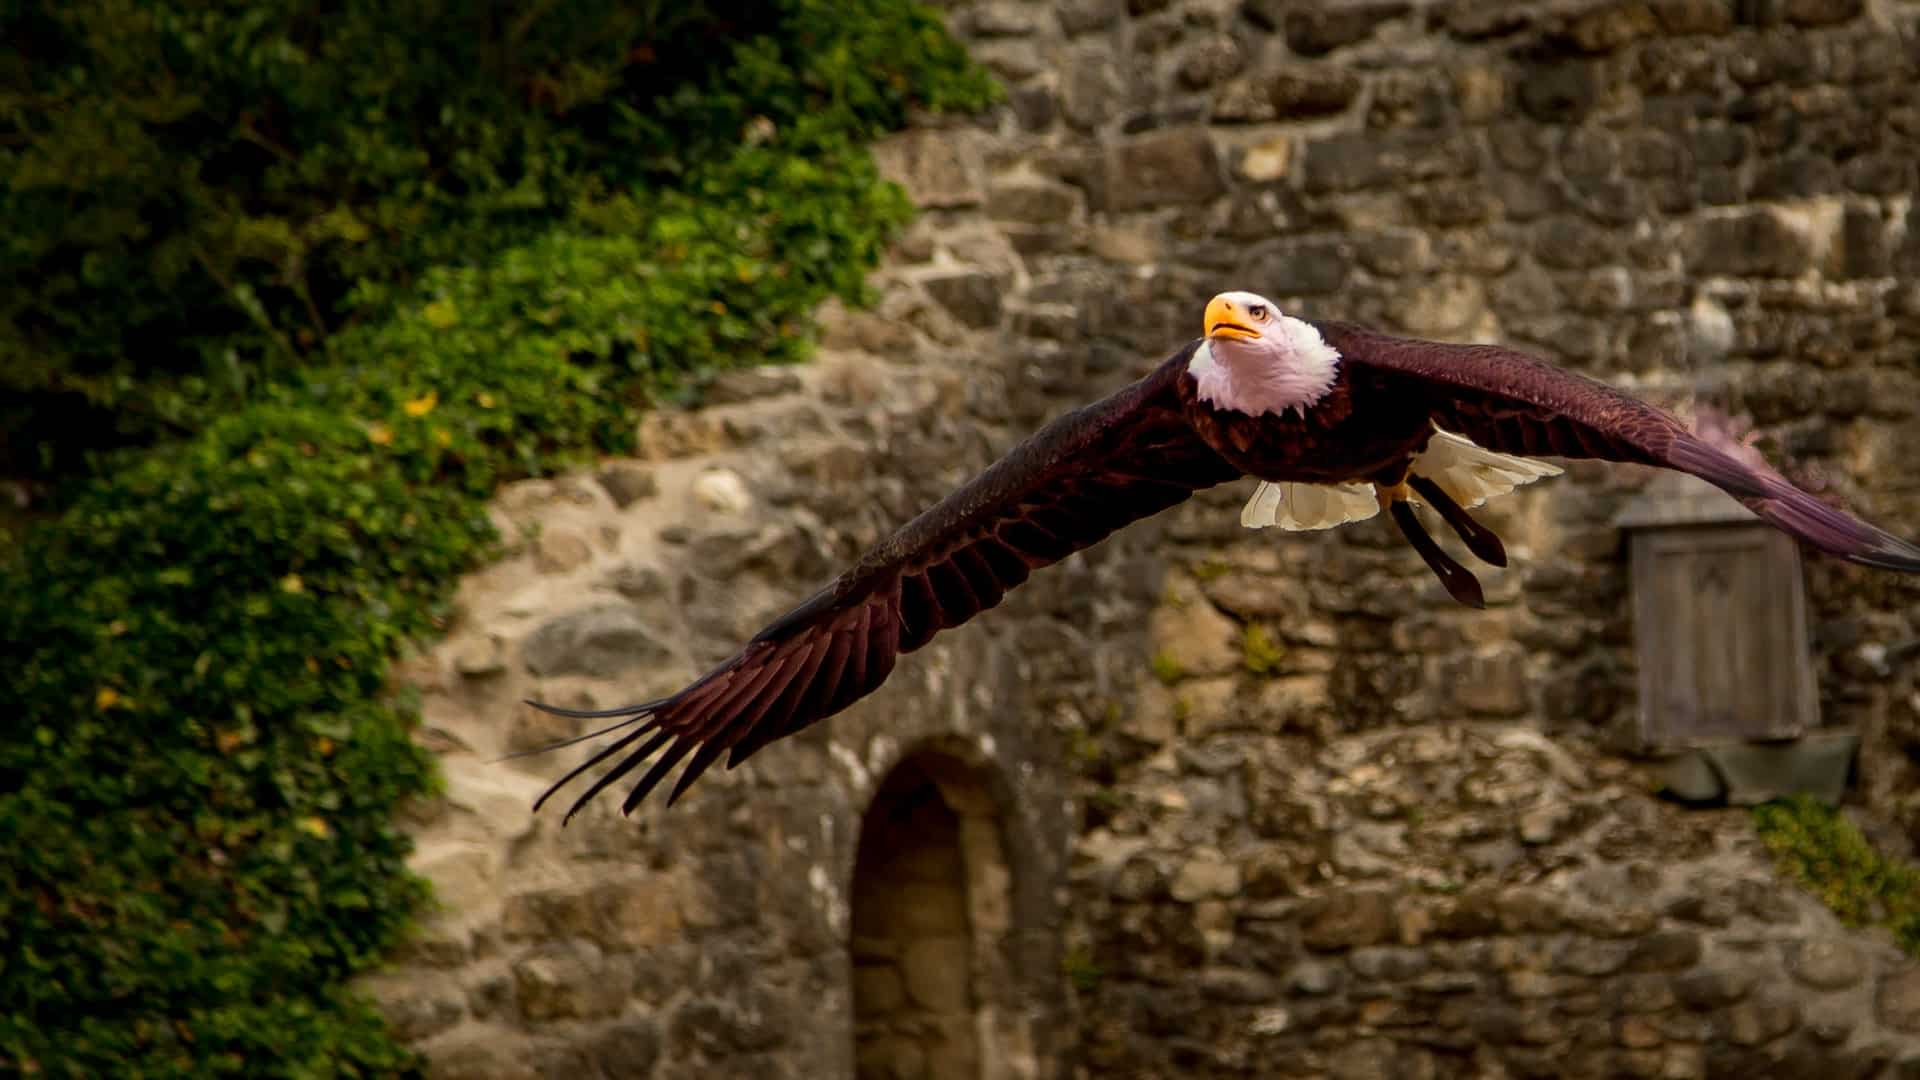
x,y
1720,618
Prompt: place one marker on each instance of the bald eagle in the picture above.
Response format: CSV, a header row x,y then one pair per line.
x,y
1337,422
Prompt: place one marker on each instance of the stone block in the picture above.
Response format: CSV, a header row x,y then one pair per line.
x,y
1562,91
1209,61
1711,988
1608,27
1034,201
1192,637
1821,12
1694,16
600,641
1898,1002
1236,986
1310,90
721,1029
477,1052
1826,963
940,168
1171,167
627,1047
1003,18
1347,920
1449,306
1320,28
627,482
1296,267
639,913
476,655
1759,242
1086,16
463,873
1354,161
1759,1021
1206,876
557,550
971,296
1264,163
566,981
1091,88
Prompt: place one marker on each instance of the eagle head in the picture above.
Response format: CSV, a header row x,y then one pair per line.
x,y
1256,360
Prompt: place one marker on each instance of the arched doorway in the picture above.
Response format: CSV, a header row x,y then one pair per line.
x,y
929,929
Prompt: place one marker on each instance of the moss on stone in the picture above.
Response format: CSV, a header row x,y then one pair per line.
x,y
1817,846
1259,651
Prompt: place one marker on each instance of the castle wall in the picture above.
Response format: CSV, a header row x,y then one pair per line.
x,y
1265,805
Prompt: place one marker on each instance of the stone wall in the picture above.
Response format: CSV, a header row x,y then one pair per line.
x,y
1258,804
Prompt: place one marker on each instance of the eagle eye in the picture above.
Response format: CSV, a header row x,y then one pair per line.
x,y
1258,311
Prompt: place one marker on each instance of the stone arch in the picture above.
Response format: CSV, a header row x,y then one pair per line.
x,y
933,933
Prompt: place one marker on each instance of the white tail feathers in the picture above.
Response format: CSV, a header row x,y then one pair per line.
x,y
1472,475
1299,507
1469,474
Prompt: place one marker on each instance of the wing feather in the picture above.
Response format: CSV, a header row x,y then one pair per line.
x,y
1516,404
1064,489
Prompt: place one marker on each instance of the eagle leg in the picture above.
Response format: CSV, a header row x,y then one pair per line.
x,y
1479,539
1460,582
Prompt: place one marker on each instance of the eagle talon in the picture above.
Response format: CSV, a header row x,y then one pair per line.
x,y
1479,539
1459,581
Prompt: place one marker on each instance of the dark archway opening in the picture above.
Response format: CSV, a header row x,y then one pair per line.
x,y
928,854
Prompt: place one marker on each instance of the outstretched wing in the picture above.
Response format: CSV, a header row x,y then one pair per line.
x,y
1516,404
1076,480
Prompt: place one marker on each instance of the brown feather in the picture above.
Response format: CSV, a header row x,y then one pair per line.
x,y
1516,404
1065,488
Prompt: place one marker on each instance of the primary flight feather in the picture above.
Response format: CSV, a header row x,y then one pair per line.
x,y
1336,421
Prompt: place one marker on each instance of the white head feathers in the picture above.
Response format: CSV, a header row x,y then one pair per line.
x,y
1256,360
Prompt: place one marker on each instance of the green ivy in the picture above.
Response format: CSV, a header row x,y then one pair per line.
x,y
1817,846
203,760
200,196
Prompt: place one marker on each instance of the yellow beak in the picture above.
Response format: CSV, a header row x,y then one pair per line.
x,y
1224,320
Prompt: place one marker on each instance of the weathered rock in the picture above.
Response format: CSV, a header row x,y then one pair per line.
x,y
1711,988
566,981
939,169
1322,28
1827,964
478,655
557,551
1194,638
722,1028
1350,162
628,1047
627,482
1166,167
1898,1002
1666,950
1759,1021
1766,242
1034,200
1357,918
1211,60
1084,16
1205,876
972,296
722,491
601,641
729,388
1296,267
